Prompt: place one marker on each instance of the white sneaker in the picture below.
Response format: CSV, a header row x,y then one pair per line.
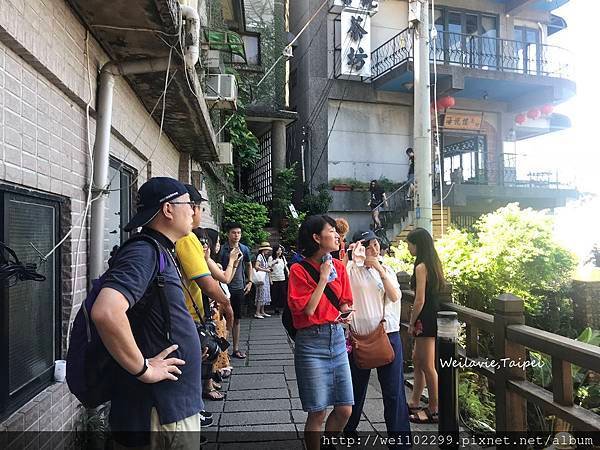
x,y
257,316
266,315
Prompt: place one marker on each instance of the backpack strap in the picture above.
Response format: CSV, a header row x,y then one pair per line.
x,y
158,282
314,273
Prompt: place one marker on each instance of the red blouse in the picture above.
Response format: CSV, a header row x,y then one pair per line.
x,y
301,286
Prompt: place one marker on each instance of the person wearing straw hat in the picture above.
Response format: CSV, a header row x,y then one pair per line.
x,y
263,291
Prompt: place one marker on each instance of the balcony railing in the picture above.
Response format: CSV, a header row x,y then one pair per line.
x,y
477,52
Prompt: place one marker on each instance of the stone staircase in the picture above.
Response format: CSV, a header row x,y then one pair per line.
x,y
400,231
275,236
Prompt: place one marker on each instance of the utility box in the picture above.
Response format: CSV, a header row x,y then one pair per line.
x,y
225,150
221,91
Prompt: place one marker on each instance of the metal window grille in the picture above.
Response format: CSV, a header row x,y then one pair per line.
x,y
259,182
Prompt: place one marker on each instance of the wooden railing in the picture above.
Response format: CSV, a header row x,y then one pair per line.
x,y
511,339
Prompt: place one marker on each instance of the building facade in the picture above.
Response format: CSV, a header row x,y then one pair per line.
x,y
353,90
51,54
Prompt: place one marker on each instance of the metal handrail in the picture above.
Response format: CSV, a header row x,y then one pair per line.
x,y
476,51
391,195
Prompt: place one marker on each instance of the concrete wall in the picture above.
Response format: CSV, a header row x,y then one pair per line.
x,y
391,19
43,137
369,140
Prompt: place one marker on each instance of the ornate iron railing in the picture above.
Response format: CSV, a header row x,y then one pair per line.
x,y
478,52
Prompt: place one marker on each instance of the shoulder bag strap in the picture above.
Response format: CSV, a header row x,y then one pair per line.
x,y
315,276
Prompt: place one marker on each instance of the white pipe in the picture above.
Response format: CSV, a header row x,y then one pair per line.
x,y
102,144
192,24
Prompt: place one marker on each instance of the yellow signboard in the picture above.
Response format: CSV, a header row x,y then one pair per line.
x,y
462,121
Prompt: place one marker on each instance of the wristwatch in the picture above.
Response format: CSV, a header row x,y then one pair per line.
x,y
143,371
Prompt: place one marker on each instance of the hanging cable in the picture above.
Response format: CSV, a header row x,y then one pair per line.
x,y
12,270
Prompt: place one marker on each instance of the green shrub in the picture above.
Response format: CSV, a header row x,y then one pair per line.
x,y
252,216
289,235
317,203
283,190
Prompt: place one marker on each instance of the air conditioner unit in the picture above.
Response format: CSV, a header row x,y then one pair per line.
x,y
221,91
225,150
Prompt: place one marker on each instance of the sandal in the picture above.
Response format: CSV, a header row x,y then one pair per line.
x,y
413,410
430,417
213,394
238,354
216,385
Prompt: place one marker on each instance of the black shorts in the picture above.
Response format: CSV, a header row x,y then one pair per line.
x,y
237,298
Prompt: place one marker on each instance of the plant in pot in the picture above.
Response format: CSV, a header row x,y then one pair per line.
x,y
341,184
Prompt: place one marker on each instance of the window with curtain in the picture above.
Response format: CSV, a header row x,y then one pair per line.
x,y
29,310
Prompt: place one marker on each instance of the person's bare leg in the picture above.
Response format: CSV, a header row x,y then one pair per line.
x,y
418,375
431,375
312,430
236,334
337,420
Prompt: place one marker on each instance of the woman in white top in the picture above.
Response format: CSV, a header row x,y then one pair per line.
x,y
373,284
278,263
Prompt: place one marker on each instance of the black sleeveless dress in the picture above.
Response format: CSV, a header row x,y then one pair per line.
x,y
426,323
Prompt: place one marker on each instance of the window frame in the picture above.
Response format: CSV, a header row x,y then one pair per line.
x,y
126,175
259,43
11,403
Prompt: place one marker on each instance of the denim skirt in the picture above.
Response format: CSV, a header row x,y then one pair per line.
x,y
322,368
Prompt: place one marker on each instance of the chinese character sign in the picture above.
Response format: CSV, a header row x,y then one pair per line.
x,y
356,43
462,121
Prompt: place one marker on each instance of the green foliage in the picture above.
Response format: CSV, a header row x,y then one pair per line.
x,y
400,259
476,403
512,250
586,384
283,190
289,235
245,144
252,216
317,203
385,183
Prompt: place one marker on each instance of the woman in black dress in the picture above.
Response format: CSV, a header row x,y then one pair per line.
x,y
427,281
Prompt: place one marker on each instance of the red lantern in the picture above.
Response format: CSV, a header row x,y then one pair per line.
x,y
520,119
547,109
446,102
533,113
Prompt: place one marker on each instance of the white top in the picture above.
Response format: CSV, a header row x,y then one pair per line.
x,y
368,294
278,266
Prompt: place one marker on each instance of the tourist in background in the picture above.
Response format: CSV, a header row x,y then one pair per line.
x,y
321,362
263,291
427,281
279,275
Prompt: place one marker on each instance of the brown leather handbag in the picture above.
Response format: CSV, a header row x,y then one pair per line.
x,y
374,349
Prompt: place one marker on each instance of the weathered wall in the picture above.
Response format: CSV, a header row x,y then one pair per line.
x,y
369,141
44,145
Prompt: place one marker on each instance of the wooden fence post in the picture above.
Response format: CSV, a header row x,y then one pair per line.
x,y
511,408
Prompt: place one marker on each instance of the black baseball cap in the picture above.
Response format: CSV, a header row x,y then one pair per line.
x,y
150,198
195,194
364,236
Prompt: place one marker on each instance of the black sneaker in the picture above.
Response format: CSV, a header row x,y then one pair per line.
x,y
205,421
206,414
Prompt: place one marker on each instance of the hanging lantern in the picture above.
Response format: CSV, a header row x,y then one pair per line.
x,y
446,102
533,113
520,119
547,109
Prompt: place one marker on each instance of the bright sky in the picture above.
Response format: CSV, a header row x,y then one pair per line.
x,y
575,153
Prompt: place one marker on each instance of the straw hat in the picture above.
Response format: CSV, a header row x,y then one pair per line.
x,y
264,246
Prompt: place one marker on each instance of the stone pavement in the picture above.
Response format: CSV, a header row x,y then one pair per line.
x,y
262,408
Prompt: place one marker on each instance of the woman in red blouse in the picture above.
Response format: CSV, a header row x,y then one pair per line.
x,y
322,369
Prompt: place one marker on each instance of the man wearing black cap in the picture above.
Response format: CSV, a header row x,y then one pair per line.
x,y
157,384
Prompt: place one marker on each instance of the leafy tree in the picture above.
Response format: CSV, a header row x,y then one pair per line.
x,y
251,215
317,203
283,190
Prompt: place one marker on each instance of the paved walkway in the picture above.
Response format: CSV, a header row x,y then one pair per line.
x,y
262,408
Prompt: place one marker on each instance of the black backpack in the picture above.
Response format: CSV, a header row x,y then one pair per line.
x,y
286,317
88,360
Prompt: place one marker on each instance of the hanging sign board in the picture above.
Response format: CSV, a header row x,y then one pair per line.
x,y
461,121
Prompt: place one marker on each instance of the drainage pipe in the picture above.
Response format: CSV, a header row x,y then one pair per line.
x,y
108,73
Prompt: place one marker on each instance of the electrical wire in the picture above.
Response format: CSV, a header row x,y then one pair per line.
x,y
433,35
12,270
149,30
337,111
